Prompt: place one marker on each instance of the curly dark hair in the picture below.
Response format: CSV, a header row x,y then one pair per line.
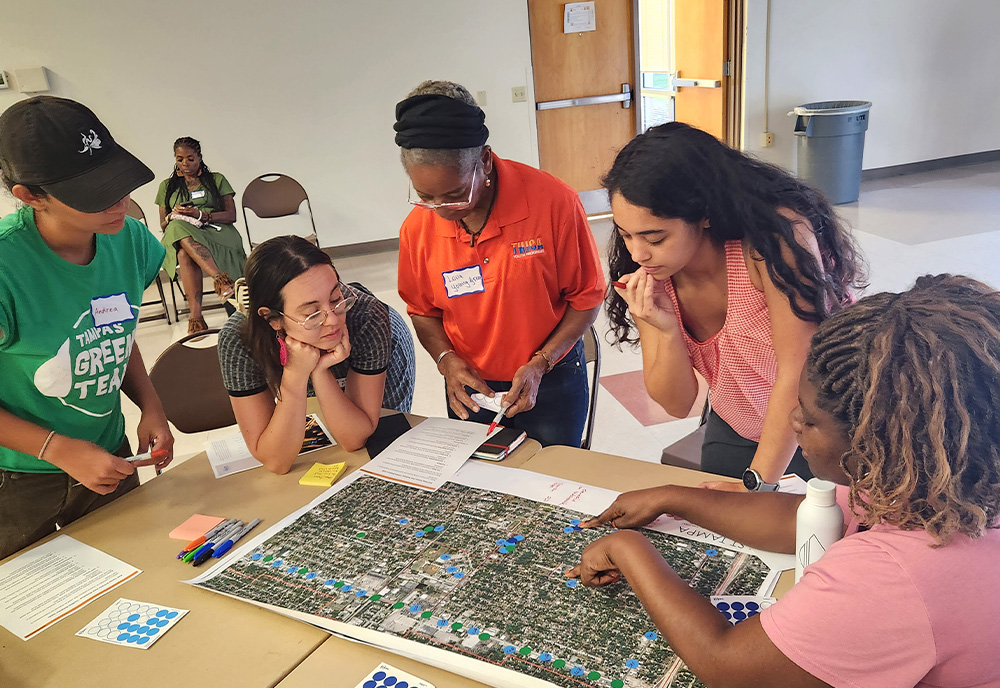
x,y
176,185
914,378
677,171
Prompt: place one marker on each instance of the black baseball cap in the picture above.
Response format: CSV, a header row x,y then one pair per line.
x,y
61,146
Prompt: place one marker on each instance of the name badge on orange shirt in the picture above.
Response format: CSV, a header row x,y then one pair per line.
x,y
463,281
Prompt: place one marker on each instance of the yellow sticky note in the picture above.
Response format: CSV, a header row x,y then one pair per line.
x,y
322,474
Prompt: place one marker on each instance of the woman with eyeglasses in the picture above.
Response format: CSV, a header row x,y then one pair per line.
x,y
498,268
306,333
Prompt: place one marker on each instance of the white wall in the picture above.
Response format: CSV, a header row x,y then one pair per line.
x,y
304,88
928,66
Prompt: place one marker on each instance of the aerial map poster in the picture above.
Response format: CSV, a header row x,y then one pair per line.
x,y
471,578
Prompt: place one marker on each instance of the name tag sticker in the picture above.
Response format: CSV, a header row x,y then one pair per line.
x,y
108,310
463,281
200,193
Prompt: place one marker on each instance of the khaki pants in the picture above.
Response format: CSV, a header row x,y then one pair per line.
x,y
33,504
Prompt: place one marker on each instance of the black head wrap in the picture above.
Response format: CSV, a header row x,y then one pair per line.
x,y
437,121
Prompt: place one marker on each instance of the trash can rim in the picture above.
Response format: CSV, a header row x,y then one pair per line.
x,y
833,107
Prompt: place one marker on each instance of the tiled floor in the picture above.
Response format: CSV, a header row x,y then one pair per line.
x,y
946,221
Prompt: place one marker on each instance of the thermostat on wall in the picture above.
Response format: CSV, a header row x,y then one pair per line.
x,y
31,80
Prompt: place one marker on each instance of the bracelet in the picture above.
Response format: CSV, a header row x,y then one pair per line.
x,y
208,216
440,356
46,443
549,365
199,216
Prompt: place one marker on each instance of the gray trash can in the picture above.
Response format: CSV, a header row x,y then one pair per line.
x,y
830,142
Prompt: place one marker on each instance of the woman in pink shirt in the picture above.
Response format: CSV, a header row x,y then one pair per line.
x,y
726,265
898,404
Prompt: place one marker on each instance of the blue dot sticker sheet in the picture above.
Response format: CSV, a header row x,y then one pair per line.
x,y
132,623
737,608
387,676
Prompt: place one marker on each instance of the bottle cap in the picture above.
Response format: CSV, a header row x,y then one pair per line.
x,y
821,492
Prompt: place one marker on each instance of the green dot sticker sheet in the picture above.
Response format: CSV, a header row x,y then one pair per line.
x,y
132,623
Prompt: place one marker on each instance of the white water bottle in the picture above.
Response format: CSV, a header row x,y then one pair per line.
x,y
819,523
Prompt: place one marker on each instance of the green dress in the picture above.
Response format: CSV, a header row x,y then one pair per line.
x,y
222,240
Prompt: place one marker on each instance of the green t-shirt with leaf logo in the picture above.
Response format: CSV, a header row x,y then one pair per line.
x,y
66,331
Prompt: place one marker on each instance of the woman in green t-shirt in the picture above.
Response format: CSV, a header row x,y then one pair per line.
x,y
197,212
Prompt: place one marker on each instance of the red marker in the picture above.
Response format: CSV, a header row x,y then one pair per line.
x,y
493,425
620,285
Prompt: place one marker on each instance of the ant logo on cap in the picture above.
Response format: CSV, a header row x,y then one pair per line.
x,y
90,143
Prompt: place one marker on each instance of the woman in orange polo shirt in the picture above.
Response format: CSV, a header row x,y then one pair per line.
x,y
498,268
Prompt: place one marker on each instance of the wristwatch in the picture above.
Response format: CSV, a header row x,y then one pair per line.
x,y
753,482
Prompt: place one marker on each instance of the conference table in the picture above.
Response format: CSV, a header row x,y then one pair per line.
x,y
226,641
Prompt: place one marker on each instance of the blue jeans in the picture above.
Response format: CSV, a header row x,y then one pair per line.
x,y
560,408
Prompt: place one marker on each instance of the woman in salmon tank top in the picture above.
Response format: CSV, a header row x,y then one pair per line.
x,y
725,266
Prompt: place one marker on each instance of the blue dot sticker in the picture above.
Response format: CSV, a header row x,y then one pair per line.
x,y
330,582
451,569
438,529
347,588
415,608
572,583
632,663
442,623
133,628
511,541
292,569
545,657
419,533
711,552
123,626
460,574
133,617
257,557
739,616
518,538
576,671
568,529
379,675
370,684
737,606
171,615
722,606
152,631
501,542
650,635
143,640
360,593
445,557
753,606
473,631
162,612
509,649
310,575
122,637
575,522
403,521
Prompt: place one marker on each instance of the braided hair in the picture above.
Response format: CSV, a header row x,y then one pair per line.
x,y
676,171
915,380
175,182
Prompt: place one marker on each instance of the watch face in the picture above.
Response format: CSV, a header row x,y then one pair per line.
x,y
750,480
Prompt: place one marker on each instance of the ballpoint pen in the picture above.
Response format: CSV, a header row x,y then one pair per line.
x,y
228,544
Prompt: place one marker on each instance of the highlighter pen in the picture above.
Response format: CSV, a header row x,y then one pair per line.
x,y
228,544
195,554
620,285
202,539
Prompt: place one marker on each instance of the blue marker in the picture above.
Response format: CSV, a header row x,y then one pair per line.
x,y
229,542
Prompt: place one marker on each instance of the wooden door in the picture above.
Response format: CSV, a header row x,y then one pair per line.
x,y
578,144
700,52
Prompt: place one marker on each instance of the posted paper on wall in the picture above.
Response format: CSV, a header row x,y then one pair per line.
x,y
50,582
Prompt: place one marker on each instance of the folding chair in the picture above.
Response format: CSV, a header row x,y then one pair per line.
x,y
135,211
275,195
592,354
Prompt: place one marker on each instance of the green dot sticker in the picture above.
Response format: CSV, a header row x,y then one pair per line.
x,y
559,663
360,535
455,626
524,651
429,529
484,636
376,598
303,570
338,585
618,683
593,676
426,615
268,558
398,605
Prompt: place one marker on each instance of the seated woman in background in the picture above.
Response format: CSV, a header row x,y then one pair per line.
x,y
727,265
306,333
197,212
897,405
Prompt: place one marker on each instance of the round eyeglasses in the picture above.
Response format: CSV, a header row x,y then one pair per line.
x,y
318,319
